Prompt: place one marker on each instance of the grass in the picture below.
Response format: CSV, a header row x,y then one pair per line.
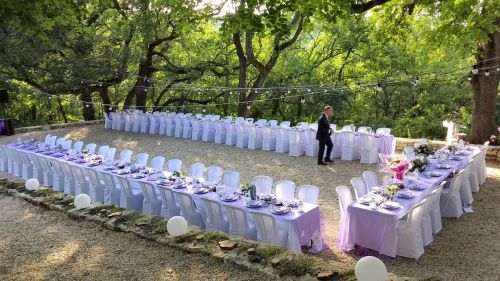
x,y
46,192
109,208
130,217
296,265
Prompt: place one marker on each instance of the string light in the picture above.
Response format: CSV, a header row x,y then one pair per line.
x,y
486,73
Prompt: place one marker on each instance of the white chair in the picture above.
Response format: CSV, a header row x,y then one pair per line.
x,y
96,186
481,169
108,123
213,175
112,190
282,139
4,159
215,217
52,141
80,179
435,212
178,127
410,243
370,179
284,190
285,124
348,128
359,187
103,150
465,187
90,147
311,144
220,132
426,225
254,138
186,128
241,136
231,179
268,230
189,210
157,163
152,202
14,163
170,126
174,165
263,184
273,123
60,141
240,224
268,139
208,126
162,119
69,180
136,122
296,147
239,120
128,123
197,129
67,145
36,166
47,171
451,205
369,149
348,149
154,124
409,153
110,154
77,146
169,207
144,123
120,122
231,134
26,165
308,194
261,122
141,159
58,177
196,170
345,198
47,139
126,156
473,175
362,129
131,196
383,131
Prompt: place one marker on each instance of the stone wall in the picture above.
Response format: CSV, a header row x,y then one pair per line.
x,y
57,126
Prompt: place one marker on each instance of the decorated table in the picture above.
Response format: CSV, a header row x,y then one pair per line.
x,y
303,222
375,226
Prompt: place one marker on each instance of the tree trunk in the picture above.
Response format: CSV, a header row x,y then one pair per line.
x,y
485,89
88,106
61,108
103,93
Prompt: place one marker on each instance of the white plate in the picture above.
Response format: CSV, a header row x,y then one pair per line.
x,y
443,166
435,174
390,205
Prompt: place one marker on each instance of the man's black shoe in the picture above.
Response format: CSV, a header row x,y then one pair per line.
x,y
322,163
329,160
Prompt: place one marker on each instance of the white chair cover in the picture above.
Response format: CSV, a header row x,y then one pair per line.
x,y
465,187
81,179
126,156
96,186
110,154
231,134
47,171
157,163
370,179
241,136
169,207
345,198
231,179
451,205
215,217
282,139
213,175
103,150
268,139
196,170
263,184
268,231
435,213
220,132
308,194
152,202
131,196
285,190
369,149
239,223
174,165
296,146
142,159
112,190
58,177
348,150
254,138
359,187
410,242
189,210
197,129
90,147
77,146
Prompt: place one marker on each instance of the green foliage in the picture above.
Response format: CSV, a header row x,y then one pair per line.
x,y
109,41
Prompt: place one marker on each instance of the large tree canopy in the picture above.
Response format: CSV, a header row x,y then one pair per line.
x,y
402,63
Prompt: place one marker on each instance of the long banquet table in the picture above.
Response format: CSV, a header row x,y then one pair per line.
x,y
302,227
377,229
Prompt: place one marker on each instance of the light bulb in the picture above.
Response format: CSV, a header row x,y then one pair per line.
x,y
110,108
302,100
204,110
309,90
81,82
289,91
145,90
248,106
231,92
87,105
487,73
100,84
475,71
469,78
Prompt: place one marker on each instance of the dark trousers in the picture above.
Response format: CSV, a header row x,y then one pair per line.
x,y
329,147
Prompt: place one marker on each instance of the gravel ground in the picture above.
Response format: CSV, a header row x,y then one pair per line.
x,y
466,249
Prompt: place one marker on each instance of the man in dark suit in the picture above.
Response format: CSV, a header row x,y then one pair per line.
x,y
323,136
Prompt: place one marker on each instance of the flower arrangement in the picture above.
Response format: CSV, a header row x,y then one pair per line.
x,y
398,167
493,140
418,164
178,173
391,190
246,188
424,149
452,148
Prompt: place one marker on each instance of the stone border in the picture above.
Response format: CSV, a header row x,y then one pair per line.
x,y
245,254
56,126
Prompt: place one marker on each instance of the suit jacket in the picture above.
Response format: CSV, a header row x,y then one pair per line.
x,y
323,132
